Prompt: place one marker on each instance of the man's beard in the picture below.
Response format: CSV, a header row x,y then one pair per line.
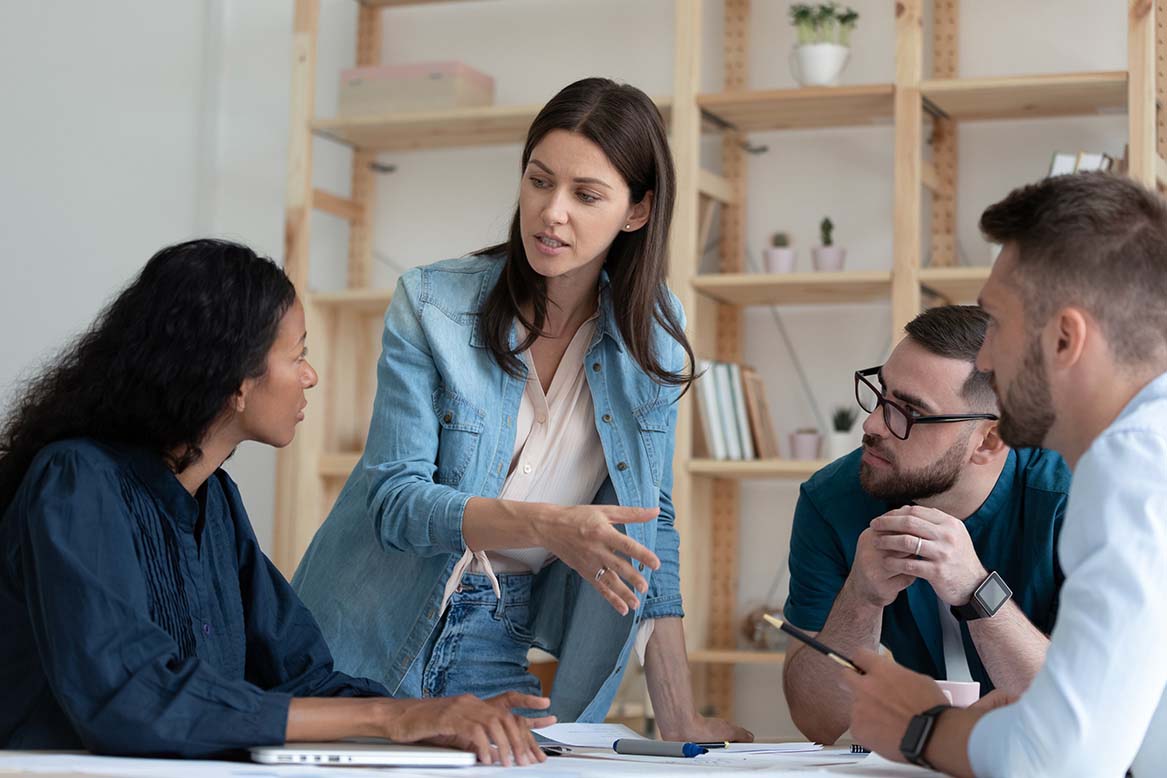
x,y
900,488
1027,410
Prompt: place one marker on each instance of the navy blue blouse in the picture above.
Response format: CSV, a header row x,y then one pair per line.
x,y
138,619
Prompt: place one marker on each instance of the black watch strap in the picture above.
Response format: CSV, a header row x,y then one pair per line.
x,y
920,729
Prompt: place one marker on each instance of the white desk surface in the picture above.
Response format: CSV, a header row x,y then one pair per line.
x,y
821,764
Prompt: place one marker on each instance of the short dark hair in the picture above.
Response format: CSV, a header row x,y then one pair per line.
x,y
957,332
1094,240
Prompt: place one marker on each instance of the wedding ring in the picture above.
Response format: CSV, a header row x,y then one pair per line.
x,y
919,542
600,573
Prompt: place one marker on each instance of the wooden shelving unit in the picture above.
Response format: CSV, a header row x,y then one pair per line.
x,y
807,108
734,657
848,286
434,130
922,112
1028,97
756,468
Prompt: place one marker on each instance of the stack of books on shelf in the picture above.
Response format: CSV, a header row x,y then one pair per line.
x,y
1083,161
734,416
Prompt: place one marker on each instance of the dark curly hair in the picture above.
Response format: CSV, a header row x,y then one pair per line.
x,y
159,364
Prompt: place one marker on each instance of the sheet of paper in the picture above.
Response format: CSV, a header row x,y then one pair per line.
x,y
767,748
87,764
585,735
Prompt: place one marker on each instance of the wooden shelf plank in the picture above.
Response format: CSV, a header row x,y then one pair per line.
x,y
757,468
958,284
483,126
399,3
338,464
801,108
460,127
736,657
1023,97
717,187
849,286
370,301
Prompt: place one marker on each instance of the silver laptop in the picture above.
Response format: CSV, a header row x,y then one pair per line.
x,y
380,754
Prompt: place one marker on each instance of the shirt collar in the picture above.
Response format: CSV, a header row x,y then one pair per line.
x,y
1155,390
161,481
997,497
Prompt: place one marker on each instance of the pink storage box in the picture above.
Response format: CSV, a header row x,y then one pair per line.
x,y
426,86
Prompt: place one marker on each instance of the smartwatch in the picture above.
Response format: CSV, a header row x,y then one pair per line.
x,y
919,732
989,597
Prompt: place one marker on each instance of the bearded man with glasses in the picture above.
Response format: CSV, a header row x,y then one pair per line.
x,y
935,539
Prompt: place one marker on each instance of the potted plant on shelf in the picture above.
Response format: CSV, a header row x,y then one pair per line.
x,y
828,256
805,443
824,42
779,257
842,440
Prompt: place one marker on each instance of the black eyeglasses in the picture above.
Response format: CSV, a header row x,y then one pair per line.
x,y
898,419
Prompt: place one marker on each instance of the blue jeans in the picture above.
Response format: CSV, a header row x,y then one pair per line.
x,y
480,644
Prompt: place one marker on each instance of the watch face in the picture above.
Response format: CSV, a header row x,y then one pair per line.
x,y
913,742
992,593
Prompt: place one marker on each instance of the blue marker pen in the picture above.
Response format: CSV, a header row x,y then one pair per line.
x,y
634,747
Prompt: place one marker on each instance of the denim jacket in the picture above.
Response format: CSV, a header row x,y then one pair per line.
x,y
443,430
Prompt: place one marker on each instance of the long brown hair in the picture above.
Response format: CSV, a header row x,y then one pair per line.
x,y
628,128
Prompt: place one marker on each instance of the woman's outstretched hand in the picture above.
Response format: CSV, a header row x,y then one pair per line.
x,y
586,539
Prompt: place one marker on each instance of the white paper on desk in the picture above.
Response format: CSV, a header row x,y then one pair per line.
x,y
875,766
767,748
585,735
87,764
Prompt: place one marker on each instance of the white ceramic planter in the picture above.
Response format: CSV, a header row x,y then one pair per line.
x,y
779,260
818,64
828,258
805,445
840,444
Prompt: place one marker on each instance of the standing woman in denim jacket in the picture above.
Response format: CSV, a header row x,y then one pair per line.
x,y
515,490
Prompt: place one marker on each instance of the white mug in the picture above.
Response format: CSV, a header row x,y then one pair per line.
x,y
960,694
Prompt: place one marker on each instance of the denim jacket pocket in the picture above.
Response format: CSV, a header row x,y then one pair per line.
x,y
653,421
460,424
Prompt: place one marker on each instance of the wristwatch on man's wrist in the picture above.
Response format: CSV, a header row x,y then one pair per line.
x,y
988,598
919,732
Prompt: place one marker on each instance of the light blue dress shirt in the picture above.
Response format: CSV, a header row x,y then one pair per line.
x,y
1098,706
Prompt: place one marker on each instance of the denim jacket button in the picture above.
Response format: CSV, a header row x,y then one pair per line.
x,y
608,418
449,417
596,366
622,466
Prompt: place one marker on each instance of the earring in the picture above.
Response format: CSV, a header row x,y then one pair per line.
x,y
627,226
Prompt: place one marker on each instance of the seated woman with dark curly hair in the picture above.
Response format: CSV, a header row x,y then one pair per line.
x,y
140,615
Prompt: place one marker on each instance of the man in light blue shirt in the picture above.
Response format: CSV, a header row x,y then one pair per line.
x,y
1078,347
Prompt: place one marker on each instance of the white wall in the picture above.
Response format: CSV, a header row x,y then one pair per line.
x,y
99,158
107,168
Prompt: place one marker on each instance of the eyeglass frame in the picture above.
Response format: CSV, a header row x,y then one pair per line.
x,y
882,400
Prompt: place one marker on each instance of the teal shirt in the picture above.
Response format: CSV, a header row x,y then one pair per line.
x,y
1014,532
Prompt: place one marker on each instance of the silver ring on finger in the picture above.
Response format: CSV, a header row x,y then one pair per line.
x,y
919,542
600,573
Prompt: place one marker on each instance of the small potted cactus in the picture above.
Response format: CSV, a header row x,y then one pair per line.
x,y
843,439
824,42
828,257
780,257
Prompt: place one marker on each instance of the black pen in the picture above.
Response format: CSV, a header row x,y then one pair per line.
x,y
825,650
